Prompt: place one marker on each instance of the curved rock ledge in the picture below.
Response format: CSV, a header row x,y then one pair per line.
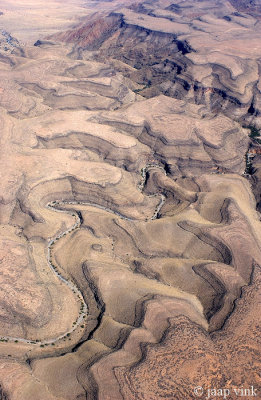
x,y
129,237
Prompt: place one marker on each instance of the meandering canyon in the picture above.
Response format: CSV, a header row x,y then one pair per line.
x,y
130,198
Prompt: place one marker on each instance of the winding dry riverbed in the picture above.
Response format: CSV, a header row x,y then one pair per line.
x,y
54,206
83,308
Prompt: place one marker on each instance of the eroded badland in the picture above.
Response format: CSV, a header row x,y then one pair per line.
x,y
130,241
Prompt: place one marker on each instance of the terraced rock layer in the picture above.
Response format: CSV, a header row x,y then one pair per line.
x,y
129,240
206,53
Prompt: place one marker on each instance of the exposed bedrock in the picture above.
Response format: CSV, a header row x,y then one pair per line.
x,y
134,273
130,241
175,356
181,60
252,7
181,137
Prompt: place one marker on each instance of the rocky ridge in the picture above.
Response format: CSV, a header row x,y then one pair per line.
x,y
152,217
202,55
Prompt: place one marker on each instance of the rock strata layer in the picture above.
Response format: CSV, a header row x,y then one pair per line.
x,y
130,237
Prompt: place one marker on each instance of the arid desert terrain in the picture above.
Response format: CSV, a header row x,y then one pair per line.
x,y
130,236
